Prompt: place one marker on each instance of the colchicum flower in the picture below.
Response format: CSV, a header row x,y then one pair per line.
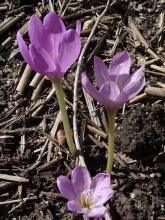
x,y
86,196
51,52
116,85
52,49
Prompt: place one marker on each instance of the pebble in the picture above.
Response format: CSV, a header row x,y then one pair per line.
x,y
152,175
133,195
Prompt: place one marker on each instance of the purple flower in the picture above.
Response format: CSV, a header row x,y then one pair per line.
x,y
115,84
85,196
53,49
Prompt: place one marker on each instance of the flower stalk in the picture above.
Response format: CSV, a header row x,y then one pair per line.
x,y
68,132
111,138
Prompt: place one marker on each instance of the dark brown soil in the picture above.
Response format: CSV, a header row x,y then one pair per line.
x,y
139,162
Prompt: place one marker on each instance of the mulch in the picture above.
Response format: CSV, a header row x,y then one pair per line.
x,y
33,152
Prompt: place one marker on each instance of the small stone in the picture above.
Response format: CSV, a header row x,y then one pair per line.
x,y
132,195
152,175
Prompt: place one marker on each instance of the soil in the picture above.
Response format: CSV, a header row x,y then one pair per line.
x,y
139,160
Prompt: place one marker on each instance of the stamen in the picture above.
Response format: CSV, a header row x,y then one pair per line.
x,y
87,200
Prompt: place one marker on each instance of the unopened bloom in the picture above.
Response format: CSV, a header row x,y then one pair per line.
x,y
86,196
52,49
116,86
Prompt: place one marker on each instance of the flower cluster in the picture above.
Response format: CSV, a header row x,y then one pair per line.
x,y
52,50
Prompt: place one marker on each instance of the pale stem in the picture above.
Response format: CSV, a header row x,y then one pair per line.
x,y
61,102
85,217
111,138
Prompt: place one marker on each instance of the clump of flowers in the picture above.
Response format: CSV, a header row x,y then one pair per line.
x,y
115,87
86,196
52,50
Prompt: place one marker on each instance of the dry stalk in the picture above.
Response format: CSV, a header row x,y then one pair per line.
x,y
155,91
24,79
11,22
12,178
78,71
155,67
38,89
36,79
140,37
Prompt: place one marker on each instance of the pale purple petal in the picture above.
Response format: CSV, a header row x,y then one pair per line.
x,y
122,80
24,49
96,212
121,99
69,49
102,196
65,186
75,207
133,88
80,179
53,23
120,64
56,39
138,75
102,191
78,27
38,36
109,93
100,181
89,88
42,62
100,71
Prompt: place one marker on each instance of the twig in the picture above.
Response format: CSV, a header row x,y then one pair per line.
x,y
49,164
11,22
155,67
24,200
138,98
24,79
79,68
36,79
12,178
155,91
38,89
17,200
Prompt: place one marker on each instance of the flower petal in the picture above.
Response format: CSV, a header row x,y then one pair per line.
x,y
100,181
65,186
80,179
136,83
122,80
133,88
78,27
100,71
139,74
121,99
89,88
102,191
53,23
38,36
75,207
120,64
42,62
24,49
97,212
69,49
102,196
109,93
